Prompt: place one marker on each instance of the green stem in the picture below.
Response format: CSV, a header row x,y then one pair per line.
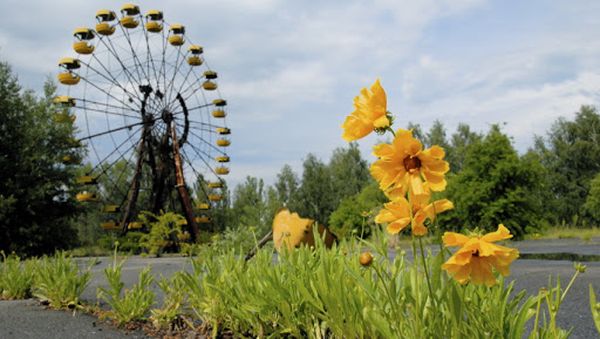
x,y
387,292
427,273
537,315
562,297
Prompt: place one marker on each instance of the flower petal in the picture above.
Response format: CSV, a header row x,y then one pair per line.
x,y
398,225
355,128
451,239
501,234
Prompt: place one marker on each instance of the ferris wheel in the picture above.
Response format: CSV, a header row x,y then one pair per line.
x,y
148,108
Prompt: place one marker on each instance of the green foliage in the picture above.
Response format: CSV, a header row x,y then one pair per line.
x,y
129,243
592,202
315,195
35,200
571,153
166,232
59,281
349,172
324,186
459,143
16,277
355,214
126,304
495,186
552,296
220,212
249,204
286,186
595,308
169,314
318,293
111,187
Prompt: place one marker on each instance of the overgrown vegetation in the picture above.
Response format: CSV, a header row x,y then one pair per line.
x,y
16,277
126,305
59,281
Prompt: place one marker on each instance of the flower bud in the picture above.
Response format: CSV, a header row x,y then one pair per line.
x,y
366,259
579,267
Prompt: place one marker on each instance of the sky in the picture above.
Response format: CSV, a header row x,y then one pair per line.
x,y
290,69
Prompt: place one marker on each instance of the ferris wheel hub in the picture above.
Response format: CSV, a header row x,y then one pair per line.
x,y
167,116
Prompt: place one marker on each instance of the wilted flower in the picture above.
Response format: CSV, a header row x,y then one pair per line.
x,y
370,113
478,255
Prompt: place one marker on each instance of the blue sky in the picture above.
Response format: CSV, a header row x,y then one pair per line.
x,y
291,69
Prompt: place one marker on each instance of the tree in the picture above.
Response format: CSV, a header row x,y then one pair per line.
x,y
36,200
571,153
286,187
495,186
436,136
459,142
355,214
592,203
349,172
316,195
417,130
249,207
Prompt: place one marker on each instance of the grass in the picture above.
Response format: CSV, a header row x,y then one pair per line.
x,y
567,232
90,251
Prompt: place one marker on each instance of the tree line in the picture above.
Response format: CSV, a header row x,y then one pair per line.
x,y
556,182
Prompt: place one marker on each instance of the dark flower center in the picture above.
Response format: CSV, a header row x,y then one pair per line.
x,y
476,253
411,163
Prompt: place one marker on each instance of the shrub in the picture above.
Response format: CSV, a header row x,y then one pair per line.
x,y
354,216
166,232
495,186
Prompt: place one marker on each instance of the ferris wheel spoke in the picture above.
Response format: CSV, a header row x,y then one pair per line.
x,y
184,82
203,159
135,57
115,183
112,50
207,143
111,131
106,92
162,72
111,78
117,149
198,175
200,129
102,104
194,108
169,85
204,124
149,57
103,111
178,64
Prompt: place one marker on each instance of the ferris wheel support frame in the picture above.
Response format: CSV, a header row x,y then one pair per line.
x,y
184,195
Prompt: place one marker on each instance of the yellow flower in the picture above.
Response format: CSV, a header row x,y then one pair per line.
x,y
397,213
370,113
404,164
478,255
